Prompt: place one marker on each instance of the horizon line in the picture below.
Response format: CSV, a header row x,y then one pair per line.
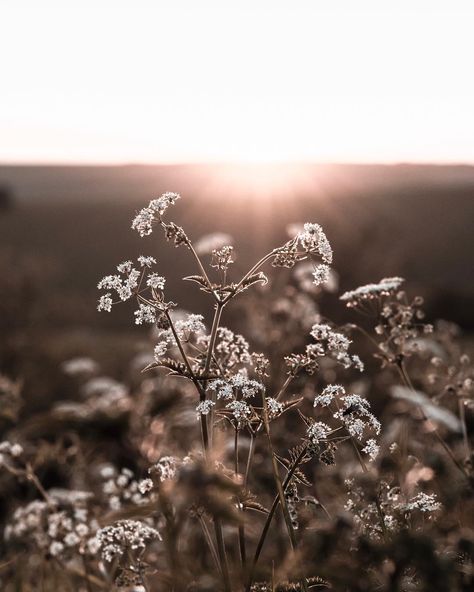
x,y
236,162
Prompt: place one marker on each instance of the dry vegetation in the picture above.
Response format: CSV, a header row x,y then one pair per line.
x,y
280,453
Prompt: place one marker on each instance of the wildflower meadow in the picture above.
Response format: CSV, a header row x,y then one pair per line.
x,y
267,450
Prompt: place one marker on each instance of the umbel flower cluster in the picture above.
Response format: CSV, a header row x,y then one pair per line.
x,y
262,457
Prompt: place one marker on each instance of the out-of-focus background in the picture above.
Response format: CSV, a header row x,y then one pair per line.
x,y
104,105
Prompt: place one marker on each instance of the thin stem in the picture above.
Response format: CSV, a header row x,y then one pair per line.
x,y
236,452
210,353
201,267
280,488
249,273
276,478
271,513
31,476
249,459
222,553
284,386
241,527
202,394
212,341
207,536
258,429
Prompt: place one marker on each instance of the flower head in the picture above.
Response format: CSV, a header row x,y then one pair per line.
x,y
385,287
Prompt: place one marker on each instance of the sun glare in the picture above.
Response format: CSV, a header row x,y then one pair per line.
x,y
262,179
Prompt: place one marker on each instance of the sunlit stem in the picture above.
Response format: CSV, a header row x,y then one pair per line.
x,y
249,459
202,393
222,554
202,269
207,536
250,272
210,353
241,529
279,486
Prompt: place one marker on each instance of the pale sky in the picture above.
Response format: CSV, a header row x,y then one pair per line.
x,y
100,81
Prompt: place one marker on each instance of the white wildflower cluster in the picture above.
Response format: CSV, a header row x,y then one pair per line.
x,y
311,278
329,343
275,408
127,283
236,384
371,448
423,502
145,261
385,287
204,408
318,431
143,221
311,239
240,410
61,526
186,327
230,347
160,350
124,283
398,512
212,242
105,302
123,537
193,323
365,514
334,344
155,281
9,452
122,489
236,390
354,412
145,314
223,257
314,241
321,274
166,468
145,486
330,392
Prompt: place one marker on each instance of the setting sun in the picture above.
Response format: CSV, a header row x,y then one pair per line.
x,y
249,81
